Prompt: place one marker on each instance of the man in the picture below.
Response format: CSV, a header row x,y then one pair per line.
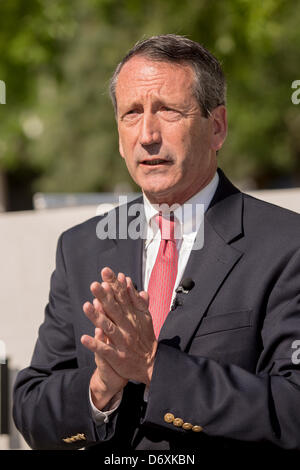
x,y
198,354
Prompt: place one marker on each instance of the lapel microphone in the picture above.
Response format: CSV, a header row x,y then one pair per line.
x,y
185,286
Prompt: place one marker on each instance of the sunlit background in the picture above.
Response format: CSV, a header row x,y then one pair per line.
x,y
57,131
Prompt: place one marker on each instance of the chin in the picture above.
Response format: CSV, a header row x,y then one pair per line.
x,y
158,195
157,187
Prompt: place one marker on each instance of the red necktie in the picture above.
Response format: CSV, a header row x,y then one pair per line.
x,y
164,273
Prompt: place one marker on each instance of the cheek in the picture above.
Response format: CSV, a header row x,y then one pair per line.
x,y
177,140
200,142
126,144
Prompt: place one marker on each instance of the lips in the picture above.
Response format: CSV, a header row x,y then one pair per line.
x,y
154,162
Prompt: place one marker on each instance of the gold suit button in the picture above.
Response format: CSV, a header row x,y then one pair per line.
x,y
197,428
178,422
76,437
169,418
187,426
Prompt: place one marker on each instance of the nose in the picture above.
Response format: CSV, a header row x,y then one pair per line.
x,y
150,130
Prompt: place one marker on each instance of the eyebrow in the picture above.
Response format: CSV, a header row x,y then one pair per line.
x,y
158,101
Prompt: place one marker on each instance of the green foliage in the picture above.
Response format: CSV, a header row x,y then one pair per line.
x,y
57,58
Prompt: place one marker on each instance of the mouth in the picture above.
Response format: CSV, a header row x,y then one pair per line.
x,y
155,162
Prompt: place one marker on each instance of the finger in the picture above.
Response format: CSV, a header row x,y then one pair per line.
x,y
100,361
100,292
90,312
99,334
119,288
103,292
140,302
145,296
122,295
97,346
98,306
108,275
89,342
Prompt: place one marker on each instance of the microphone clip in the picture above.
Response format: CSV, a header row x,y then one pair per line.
x,y
181,290
184,288
176,303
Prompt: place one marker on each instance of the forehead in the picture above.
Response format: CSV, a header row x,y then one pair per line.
x,y
142,75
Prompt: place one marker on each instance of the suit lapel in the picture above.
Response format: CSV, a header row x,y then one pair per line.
x,y
125,254
209,266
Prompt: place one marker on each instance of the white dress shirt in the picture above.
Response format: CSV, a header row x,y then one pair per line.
x,y
188,220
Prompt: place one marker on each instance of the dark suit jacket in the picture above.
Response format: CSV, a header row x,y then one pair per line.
x,y
224,359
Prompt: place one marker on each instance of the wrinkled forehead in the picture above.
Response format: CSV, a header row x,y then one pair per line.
x,y
143,74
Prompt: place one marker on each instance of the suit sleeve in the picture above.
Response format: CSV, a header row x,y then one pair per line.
x,y
231,402
51,397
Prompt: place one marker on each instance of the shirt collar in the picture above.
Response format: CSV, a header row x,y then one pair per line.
x,y
188,216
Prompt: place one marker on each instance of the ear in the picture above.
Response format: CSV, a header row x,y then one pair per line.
x,y
219,127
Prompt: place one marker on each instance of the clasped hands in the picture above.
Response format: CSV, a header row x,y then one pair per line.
x,y
124,343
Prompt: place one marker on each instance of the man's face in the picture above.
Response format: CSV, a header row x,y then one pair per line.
x,y
168,146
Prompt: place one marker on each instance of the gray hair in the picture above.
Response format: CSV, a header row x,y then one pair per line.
x,y
210,85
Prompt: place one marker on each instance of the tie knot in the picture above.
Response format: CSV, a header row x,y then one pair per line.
x,y
166,225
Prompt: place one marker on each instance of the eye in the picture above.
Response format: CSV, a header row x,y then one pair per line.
x,y
131,115
169,113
